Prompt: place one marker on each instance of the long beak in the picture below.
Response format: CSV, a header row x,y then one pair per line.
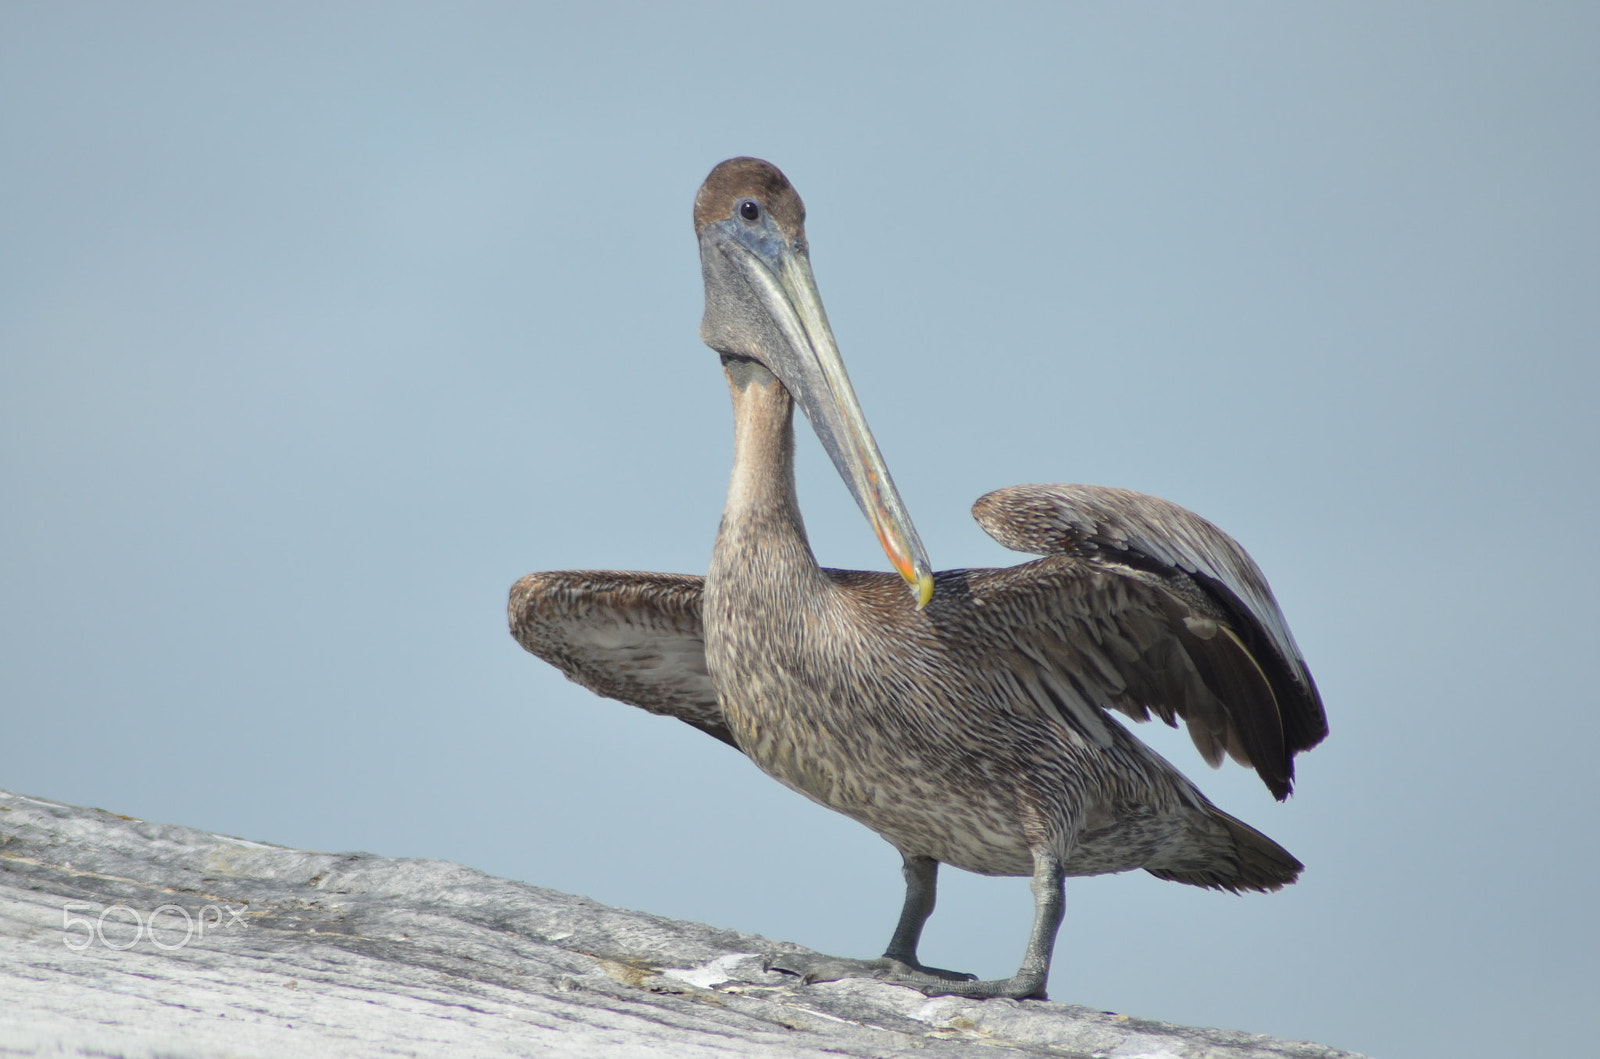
x,y
806,360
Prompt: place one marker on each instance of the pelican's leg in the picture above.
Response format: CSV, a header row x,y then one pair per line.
x,y
922,885
1048,906
899,962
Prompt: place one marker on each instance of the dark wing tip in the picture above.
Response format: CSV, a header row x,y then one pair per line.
x,y
1267,708
740,178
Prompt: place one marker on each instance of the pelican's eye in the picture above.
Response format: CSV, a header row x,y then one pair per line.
x,y
749,210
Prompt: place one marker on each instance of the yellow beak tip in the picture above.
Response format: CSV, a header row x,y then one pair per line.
x,y
923,589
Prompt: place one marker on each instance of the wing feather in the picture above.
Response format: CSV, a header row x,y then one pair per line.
x,y
634,637
1150,608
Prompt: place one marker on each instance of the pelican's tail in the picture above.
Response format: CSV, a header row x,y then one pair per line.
x,y
1254,862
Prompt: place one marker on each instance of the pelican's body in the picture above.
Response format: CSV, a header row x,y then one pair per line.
x,y
964,720
917,722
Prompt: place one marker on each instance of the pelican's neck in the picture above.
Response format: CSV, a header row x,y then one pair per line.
x,y
761,525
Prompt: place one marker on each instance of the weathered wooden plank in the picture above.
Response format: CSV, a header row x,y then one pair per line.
x,y
124,938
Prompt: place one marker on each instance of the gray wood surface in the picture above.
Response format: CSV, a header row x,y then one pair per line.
x,y
124,938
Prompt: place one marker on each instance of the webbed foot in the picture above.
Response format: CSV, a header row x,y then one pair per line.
x,y
815,967
1017,987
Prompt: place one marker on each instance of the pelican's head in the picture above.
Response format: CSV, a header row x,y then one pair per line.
x,y
762,305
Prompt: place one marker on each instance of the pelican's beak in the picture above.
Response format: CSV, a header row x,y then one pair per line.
x,y
796,344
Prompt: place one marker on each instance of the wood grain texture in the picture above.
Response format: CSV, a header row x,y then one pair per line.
x,y
350,954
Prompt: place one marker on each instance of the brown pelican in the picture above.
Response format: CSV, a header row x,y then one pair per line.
x,y
966,720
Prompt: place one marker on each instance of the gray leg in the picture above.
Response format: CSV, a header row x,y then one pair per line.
x,y
899,961
922,884
1029,981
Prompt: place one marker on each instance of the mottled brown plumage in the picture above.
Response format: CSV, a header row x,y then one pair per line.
x,y
633,637
966,721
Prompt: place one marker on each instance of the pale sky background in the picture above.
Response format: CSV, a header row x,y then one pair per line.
x,y
320,324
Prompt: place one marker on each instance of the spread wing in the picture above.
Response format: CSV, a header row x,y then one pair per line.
x,y
1144,606
628,636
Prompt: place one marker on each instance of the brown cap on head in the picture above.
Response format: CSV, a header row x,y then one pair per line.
x,y
740,178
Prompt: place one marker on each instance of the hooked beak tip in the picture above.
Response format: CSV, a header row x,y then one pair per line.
x,y
907,563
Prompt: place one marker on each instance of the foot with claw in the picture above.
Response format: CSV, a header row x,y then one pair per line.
x,y
900,966
932,981
820,968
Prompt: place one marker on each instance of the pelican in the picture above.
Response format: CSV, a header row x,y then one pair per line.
x,y
963,715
